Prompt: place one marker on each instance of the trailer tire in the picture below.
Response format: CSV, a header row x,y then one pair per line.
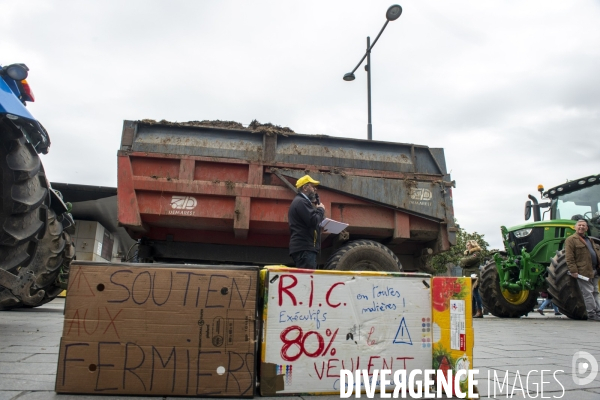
x,y
22,194
364,255
564,289
501,303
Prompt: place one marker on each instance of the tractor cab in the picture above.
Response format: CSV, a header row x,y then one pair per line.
x,y
567,203
576,200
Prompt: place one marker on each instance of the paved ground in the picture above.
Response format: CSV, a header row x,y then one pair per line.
x,y
539,348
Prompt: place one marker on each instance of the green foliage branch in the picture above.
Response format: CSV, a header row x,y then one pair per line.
x,y
440,262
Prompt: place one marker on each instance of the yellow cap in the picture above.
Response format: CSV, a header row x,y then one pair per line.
x,y
304,180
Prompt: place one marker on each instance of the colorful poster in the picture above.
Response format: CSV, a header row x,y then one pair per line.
x,y
452,326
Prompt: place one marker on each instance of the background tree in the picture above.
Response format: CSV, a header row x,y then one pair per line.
x,y
439,262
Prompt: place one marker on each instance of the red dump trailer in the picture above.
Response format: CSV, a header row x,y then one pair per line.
x,y
201,192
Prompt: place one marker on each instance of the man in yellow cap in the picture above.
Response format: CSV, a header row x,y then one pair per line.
x,y
305,220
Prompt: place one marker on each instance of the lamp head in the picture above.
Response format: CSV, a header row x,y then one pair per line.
x,y
393,12
349,77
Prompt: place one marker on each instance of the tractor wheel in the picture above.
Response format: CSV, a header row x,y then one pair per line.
x,y
564,289
55,252
364,255
22,217
503,303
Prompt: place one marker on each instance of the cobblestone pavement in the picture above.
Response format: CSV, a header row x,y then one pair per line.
x,y
533,353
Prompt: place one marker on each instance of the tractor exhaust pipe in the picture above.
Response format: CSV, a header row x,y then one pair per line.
x,y
533,204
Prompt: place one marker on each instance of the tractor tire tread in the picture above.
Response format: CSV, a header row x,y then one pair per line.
x,y
493,299
381,257
32,240
564,289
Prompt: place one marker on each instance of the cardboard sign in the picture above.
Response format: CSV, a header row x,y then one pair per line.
x,y
152,329
316,323
452,325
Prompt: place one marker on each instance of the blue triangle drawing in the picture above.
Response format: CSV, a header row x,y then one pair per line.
x,y
402,335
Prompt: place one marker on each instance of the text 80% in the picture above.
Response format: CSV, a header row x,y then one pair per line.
x,y
295,336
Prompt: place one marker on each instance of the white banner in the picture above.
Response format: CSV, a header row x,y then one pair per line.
x,y
318,323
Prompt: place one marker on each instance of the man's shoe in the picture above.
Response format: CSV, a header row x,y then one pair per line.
x,y
557,313
541,311
594,318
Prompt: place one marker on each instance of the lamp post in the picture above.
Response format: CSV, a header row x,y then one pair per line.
x,y
392,14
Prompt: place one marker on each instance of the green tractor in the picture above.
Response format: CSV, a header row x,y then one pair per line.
x,y
534,258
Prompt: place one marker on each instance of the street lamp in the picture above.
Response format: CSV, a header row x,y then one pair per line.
x,y
392,14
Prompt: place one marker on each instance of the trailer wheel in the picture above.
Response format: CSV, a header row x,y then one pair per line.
x,y
364,255
564,289
22,216
503,303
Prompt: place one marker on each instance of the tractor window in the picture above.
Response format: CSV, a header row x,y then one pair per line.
x,y
584,202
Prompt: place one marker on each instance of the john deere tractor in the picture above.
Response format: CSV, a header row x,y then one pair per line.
x,y
534,258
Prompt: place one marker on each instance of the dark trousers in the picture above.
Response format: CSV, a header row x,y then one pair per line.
x,y
477,297
305,259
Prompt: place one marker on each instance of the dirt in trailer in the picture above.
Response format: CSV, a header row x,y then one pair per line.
x,y
255,126
269,128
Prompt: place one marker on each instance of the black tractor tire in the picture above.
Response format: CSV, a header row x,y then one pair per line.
x,y
501,303
55,252
33,246
564,288
364,255
22,213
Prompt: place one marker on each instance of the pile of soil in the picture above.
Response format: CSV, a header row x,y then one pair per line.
x,y
254,126
269,128
217,123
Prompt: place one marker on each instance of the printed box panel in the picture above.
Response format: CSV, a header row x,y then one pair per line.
x,y
316,323
452,325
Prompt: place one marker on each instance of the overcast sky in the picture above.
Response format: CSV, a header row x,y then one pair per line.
x,y
510,89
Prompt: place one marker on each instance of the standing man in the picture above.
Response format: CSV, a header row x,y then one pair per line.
x,y
582,256
305,220
470,264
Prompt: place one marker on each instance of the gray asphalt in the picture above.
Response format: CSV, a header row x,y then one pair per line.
x,y
540,349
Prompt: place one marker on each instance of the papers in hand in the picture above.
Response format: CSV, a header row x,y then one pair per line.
x,y
331,226
579,276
